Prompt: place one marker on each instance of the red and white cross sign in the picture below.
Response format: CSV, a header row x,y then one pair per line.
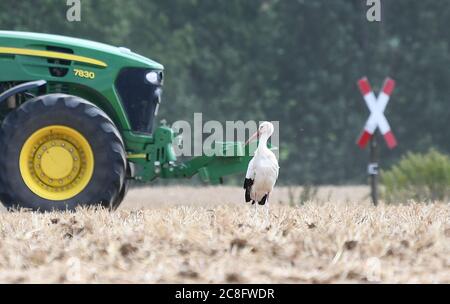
x,y
377,118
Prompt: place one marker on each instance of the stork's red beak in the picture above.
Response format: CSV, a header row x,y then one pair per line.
x,y
254,136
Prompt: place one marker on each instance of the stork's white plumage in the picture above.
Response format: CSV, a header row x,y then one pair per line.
x,y
262,173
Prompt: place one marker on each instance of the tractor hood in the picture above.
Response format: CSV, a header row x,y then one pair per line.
x,y
110,55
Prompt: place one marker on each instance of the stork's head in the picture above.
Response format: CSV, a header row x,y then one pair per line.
x,y
265,129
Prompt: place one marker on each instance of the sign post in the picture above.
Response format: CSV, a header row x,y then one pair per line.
x,y
377,120
372,170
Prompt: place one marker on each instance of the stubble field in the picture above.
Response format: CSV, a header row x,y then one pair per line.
x,y
207,235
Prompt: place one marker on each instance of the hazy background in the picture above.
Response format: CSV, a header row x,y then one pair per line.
x,y
292,61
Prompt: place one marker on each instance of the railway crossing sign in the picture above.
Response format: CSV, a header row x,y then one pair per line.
x,y
377,119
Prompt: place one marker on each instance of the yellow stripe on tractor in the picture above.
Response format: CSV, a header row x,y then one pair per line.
x,y
53,55
137,156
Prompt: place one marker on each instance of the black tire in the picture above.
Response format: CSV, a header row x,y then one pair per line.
x,y
125,187
98,129
122,193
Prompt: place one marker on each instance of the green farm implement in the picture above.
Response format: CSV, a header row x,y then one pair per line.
x,y
78,124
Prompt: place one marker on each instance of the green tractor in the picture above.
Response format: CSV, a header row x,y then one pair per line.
x,y
78,124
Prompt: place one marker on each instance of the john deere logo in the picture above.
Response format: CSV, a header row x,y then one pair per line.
x,y
74,11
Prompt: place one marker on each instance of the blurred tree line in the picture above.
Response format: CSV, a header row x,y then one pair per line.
x,y
294,61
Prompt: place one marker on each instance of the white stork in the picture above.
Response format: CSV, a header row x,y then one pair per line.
x,y
262,172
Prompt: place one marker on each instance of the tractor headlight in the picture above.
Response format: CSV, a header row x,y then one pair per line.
x,y
154,78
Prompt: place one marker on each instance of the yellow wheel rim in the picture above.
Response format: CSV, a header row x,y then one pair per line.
x,y
56,163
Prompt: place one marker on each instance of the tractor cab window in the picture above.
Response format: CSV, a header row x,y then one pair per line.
x,y
139,97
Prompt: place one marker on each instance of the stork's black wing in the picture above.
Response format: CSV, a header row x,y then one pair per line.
x,y
248,188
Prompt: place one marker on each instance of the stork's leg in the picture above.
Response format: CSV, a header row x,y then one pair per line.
x,y
252,211
267,209
255,212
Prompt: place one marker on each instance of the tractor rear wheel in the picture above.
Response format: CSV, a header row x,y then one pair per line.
x,y
59,152
125,186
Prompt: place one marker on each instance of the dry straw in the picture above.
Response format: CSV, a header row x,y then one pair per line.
x,y
216,240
